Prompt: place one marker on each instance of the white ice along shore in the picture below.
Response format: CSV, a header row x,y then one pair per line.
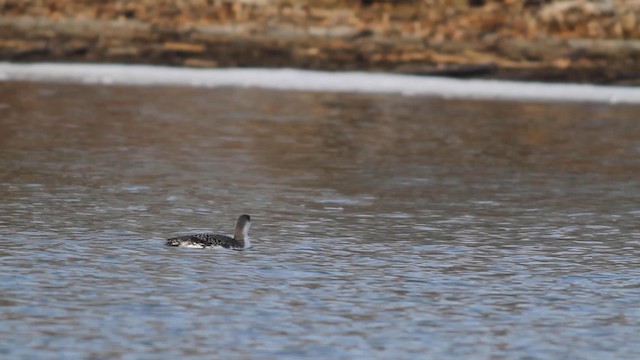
x,y
305,80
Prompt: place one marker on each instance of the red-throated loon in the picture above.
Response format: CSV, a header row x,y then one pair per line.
x,y
239,241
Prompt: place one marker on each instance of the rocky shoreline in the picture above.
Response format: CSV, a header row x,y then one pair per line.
x,y
573,40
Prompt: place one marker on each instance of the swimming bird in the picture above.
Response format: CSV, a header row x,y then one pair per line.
x,y
239,241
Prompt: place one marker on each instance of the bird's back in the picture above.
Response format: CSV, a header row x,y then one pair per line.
x,y
203,241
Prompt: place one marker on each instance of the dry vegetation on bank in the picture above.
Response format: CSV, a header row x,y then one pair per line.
x,y
576,40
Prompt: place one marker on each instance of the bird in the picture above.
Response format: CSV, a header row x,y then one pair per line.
x,y
240,240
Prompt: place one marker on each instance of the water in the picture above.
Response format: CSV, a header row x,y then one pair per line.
x,y
383,226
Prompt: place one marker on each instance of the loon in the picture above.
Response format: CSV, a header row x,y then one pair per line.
x,y
239,241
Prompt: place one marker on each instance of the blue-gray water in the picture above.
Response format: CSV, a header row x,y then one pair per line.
x,y
383,226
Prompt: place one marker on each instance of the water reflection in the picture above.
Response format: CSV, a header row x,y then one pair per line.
x,y
384,226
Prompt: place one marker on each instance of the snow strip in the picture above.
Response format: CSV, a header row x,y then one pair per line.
x,y
318,81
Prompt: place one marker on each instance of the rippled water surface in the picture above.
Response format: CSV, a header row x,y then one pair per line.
x,y
383,226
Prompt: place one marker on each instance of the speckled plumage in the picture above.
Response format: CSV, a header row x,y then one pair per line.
x,y
205,240
208,240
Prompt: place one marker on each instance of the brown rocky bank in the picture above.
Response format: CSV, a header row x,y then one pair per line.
x,y
570,40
